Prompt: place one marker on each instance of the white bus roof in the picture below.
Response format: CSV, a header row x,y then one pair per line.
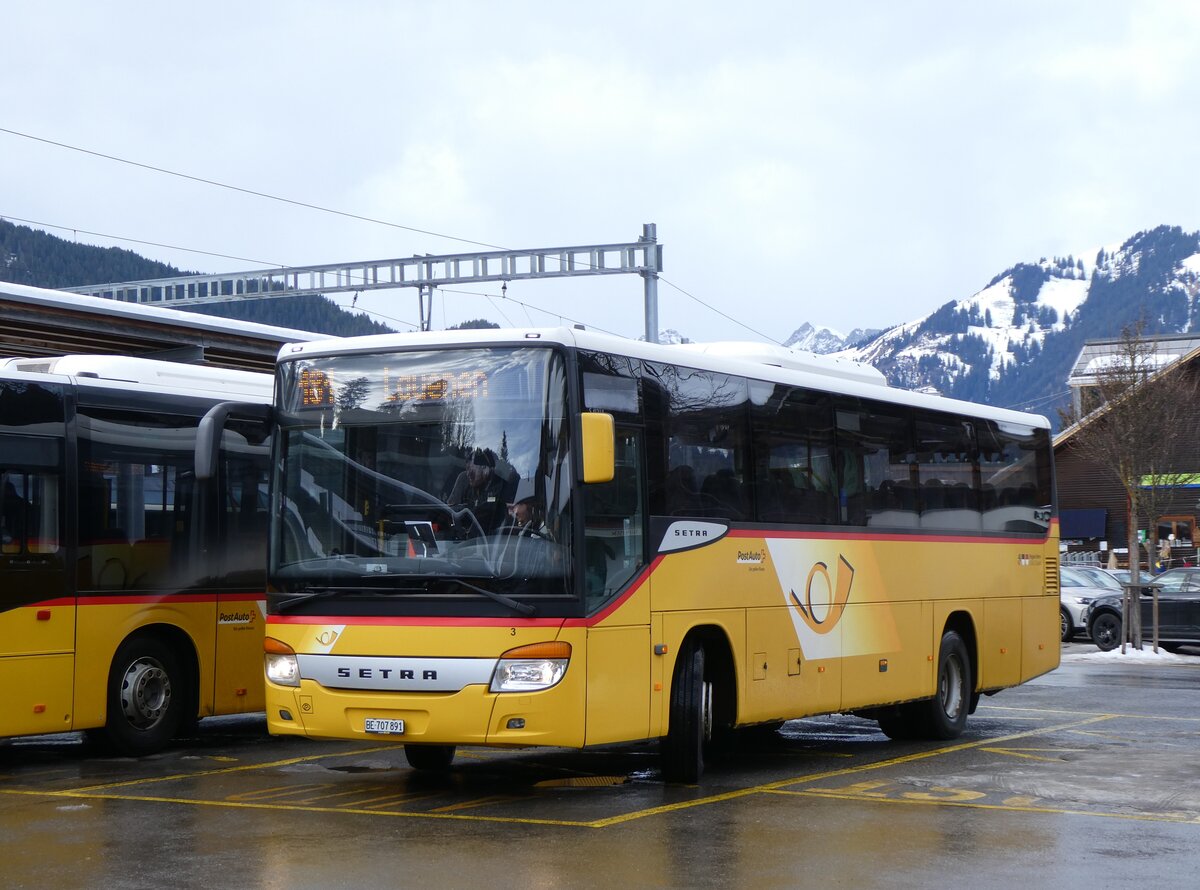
x,y
759,361
151,374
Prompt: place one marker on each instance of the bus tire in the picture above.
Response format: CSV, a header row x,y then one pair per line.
x,y
430,758
146,696
690,719
948,709
902,723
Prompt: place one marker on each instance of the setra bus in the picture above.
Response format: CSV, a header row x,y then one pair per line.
x,y
131,593
555,537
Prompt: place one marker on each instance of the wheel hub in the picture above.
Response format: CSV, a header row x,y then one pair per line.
x,y
145,693
951,688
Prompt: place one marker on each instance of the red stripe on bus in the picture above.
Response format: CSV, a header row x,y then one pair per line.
x,y
135,598
880,536
413,621
431,621
445,621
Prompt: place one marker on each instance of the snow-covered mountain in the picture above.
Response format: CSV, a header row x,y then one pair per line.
x,y
826,340
1014,341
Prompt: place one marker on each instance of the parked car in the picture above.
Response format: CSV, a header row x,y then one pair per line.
x,y
1178,612
1075,592
1100,577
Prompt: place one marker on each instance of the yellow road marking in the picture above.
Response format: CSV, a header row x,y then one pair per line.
x,y
1019,807
1021,800
934,797
1106,715
245,767
296,808
471,804
1013,752
831,774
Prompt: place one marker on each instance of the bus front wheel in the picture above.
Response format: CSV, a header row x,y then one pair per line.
x,y
145,697
429,758
690,719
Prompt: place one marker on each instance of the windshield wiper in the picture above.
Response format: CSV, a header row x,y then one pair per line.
x,y
520,608
320,593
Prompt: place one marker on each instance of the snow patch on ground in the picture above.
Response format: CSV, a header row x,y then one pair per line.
x,y
1130,656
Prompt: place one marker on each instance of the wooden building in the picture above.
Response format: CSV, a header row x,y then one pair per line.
x,y
1093,507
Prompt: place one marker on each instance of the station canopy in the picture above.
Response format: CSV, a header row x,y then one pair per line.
x,y
36,322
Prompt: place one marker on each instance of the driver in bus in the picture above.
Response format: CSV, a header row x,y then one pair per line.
x,y
525,518
481,490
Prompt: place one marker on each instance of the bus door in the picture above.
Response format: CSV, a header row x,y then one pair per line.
x,y
37,608
618,647
241,528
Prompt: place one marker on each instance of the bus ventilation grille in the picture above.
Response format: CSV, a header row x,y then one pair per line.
x,y
1051,575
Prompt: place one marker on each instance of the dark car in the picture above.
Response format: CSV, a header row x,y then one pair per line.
x,y
1178,612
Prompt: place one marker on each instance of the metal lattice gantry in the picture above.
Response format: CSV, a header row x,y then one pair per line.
x,y
642,257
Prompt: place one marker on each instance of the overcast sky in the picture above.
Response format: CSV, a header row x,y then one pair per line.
x,y
844,164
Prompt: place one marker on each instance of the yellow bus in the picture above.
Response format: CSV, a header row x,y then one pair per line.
x,y
131,594
555,537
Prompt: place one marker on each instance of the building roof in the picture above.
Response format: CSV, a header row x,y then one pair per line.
x,y
1096,355
1172,352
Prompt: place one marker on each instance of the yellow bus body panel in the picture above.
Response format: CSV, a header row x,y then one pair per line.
x,y
37,668
473,715
35,694
814,624
103,627
238,679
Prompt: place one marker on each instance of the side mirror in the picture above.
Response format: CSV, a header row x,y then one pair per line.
x,y
208,435
599,447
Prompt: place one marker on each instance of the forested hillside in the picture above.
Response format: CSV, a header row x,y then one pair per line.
x,y
29,256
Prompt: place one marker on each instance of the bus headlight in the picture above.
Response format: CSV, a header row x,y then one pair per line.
x,y
282,667
530,668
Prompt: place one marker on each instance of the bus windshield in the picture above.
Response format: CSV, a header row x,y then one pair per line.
x,y
433,473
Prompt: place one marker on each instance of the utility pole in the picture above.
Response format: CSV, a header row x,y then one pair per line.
x,y
650,279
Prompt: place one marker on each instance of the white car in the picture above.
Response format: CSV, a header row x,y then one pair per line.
x,y
1076,592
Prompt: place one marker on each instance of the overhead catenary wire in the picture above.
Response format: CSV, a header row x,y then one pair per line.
x,y
247,191
320,208
223,256
226,256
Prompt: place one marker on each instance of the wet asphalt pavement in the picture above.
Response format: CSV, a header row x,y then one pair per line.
x,y
1088,777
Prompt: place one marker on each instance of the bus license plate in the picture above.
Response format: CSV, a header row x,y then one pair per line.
x,y
382,726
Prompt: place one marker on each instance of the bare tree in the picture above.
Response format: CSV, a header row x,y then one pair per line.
x,y
1136,432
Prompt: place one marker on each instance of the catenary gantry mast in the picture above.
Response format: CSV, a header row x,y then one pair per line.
x,y
642,257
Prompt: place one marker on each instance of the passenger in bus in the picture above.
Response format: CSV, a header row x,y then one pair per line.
x,y
682,496
724,497
12,515
480,489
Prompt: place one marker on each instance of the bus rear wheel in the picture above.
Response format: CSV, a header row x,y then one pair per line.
x,y
691,719
430,758
948,709
945,715
146,695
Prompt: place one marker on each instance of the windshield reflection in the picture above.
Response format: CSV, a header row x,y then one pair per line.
x,y
415,471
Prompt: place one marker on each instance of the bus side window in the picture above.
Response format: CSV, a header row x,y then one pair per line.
x,y
614,543
795,477
243,518
29,516
136,513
